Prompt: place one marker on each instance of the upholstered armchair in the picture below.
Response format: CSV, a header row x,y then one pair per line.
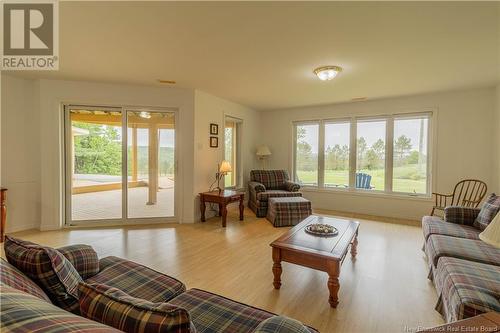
x,y
265,184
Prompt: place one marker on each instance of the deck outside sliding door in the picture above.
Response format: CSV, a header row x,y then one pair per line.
x,y
120,165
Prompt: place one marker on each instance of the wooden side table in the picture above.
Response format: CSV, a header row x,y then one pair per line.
x,y
3,213
222,199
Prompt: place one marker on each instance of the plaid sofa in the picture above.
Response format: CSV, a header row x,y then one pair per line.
x,y
265,184
25,306
464,269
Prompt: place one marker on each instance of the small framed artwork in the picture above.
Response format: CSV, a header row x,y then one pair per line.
x,y
214,129
214,142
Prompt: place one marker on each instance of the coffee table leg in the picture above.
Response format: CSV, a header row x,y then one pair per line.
x,y
333,270
277,268
354,246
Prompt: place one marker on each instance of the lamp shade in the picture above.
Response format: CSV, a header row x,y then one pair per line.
x,y
491,234
225,167
263,151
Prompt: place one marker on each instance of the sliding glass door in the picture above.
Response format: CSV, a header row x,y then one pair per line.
x,y
120,164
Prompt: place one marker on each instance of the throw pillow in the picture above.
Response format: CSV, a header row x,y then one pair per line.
x,y
490,208
48,268
113,307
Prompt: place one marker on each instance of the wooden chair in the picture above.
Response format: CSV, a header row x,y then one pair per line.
x,y
467,193
363,180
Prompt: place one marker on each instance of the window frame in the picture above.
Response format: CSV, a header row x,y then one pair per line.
x,y
389,152
237,139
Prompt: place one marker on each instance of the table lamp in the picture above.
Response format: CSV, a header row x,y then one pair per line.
x,y
491,235
224,169
262,153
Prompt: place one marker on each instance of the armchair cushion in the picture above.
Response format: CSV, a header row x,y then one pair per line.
x,y
257,187
48,268
264,196
137,280
83,258
291,186
489,210
115,308
281,324
271,179
461,215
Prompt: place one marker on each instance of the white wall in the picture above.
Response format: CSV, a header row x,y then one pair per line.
x,y
496,162
212,109
463,145
20,161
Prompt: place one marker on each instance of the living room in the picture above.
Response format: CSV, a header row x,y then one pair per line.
x,y
361,111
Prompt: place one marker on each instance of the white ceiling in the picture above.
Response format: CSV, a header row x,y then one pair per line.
x,y
262,54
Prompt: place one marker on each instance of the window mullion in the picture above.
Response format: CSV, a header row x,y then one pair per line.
x,y
389,154
352,154
321,154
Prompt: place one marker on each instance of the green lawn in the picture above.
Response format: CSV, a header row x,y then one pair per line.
x,y
402,178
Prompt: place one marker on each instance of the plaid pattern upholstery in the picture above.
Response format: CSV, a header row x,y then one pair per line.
x,y
25,313
256,187
489,210
291,186
461,215
288,211
439,246
83,258
115,308
466,289
48,268
137,280
264,196
433,225
280,324
271,179
212,313
12,277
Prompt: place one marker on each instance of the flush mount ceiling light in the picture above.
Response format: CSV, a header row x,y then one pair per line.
x,y
327,73
166,81
145,114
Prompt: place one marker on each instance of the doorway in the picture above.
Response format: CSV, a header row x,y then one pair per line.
x,y
120,165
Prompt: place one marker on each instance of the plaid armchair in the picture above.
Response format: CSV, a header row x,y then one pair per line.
x,y
265,184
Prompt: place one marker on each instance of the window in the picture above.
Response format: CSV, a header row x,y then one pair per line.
x,y
370,154
384,154
337,152
232,129
410,154
306,152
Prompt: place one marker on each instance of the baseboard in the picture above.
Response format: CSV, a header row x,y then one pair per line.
x,y
387,219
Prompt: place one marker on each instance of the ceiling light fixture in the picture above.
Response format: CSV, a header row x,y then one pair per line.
x,y
145,115
167,81
327,73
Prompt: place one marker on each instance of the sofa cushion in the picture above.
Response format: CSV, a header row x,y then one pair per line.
x,y
48,268
281,324
433,225
271,179
12,277
212,313
22,312
439,246
264,196
137,280
466,288
115,308
83,258
488,211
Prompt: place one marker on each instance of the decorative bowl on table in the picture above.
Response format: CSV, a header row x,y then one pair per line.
x,y
320,229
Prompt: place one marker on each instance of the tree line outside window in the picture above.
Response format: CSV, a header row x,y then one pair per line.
x,y
391,153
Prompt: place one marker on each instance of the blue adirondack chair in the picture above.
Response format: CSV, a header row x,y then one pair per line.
x,y
363,180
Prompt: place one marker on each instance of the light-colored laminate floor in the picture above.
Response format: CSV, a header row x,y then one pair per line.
x,y
384,290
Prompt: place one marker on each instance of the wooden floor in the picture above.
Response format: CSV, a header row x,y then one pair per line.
x,y
384,290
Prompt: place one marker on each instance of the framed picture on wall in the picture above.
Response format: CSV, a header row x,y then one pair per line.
x,y
214,129
214,142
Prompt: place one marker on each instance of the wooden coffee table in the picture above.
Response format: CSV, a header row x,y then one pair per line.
x,y
322,253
